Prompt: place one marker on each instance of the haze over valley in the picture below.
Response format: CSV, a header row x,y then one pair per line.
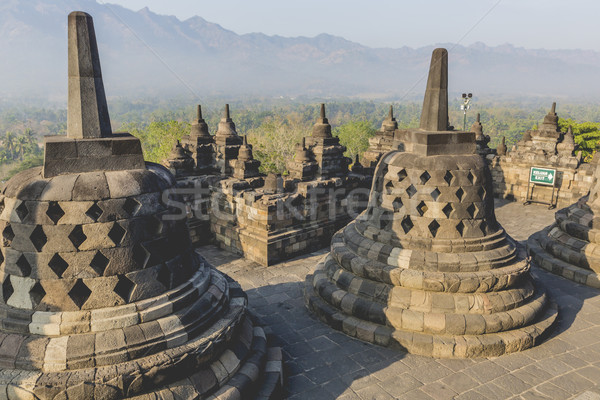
x,y
145,54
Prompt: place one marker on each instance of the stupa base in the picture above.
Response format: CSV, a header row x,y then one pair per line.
x,y
569,247
258,377
426,344
541,258
231,358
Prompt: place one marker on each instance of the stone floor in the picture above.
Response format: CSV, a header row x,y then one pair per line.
x,y
321,363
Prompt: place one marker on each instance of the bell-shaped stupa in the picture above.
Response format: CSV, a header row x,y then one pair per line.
x,y
325,150
427,267
571,246
200,144
102,295
382,142
481,140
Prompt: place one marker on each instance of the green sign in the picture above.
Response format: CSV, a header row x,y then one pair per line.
x,y
542,176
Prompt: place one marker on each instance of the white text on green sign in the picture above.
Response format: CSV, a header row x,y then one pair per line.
x,y
543,176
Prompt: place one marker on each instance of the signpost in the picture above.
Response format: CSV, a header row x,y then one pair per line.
x,y
543,177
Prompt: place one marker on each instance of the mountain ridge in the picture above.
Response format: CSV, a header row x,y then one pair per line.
x,y
144,53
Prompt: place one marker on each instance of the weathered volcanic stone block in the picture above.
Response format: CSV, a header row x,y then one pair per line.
x,y
87,112
65,155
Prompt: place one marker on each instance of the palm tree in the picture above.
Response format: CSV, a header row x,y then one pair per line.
x,y
30,135
9,143
21,145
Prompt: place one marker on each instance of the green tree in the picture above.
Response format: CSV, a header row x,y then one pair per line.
x,y
21,146
274,141
586,135
355,136
9,144
158,137
30,136
28,162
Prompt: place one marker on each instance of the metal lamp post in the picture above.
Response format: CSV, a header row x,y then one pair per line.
x,y
465,106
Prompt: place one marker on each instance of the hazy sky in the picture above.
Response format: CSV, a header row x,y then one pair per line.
x,y
552,24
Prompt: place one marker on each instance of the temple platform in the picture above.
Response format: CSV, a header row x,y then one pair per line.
x,y
322,363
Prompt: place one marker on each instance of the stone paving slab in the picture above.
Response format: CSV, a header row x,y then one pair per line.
x,y
320,363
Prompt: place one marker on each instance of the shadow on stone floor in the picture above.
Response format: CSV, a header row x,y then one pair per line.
x,y
319,363
568,295
500,202
571,298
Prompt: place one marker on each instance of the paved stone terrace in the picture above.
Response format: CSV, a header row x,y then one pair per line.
x,y
321,363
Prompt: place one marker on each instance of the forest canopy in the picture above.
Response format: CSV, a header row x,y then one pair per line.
x,y
274,127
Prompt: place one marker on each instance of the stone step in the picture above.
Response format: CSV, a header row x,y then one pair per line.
x,y
435,345
544,260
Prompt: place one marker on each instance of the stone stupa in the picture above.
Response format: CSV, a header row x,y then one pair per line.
x,y
102,295
571,246
326,150
227,144
427,267
481,140
200,144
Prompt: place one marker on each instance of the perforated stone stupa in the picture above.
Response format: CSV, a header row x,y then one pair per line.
x,y
102,296
427,267
571,246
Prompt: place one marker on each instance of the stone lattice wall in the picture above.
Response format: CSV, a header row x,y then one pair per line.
x,y
92,242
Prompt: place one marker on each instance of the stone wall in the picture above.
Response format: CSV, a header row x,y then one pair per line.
x,y
272,227
511,176
545,147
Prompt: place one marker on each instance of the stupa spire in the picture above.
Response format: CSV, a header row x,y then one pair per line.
x,y
226,126
434,116
478,128
550,120
569,136
199,127
322,129
389,124
89,144
87,111
302,154
245,152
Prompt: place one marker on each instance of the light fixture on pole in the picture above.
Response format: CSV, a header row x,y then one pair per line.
x,y
465,106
